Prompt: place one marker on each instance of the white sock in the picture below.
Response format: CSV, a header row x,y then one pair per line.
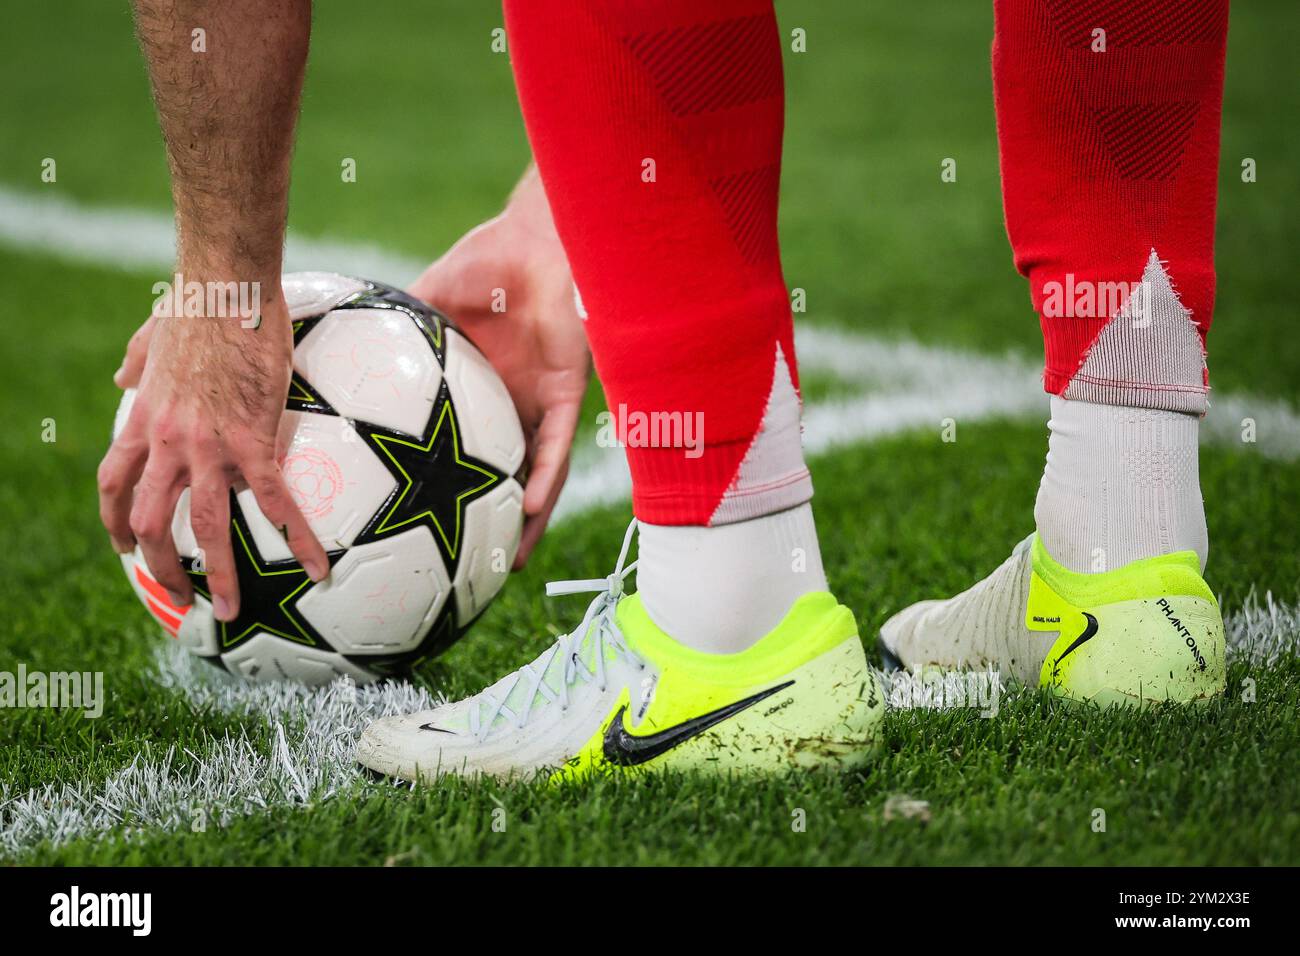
x,y
722,588
1120,484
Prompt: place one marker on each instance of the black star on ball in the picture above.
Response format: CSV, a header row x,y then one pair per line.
x,y
435,481
268,592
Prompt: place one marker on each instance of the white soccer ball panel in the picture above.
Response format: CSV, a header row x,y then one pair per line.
x,y
381,597
198,631
187,546
335,479
265,657
373,365
309,294
493,525
123,411
489,424
333,476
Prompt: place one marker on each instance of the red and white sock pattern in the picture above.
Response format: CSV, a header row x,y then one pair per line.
x,y
657,131
1108,128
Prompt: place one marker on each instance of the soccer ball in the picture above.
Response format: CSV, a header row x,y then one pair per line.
x,y
405,453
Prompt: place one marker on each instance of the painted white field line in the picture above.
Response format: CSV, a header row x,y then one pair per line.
x,y
136,240
310,760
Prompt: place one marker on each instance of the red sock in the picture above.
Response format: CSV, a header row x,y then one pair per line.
x,y
657,131
1109,166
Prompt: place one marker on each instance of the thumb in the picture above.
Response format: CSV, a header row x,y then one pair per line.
x,y
426,287
137,350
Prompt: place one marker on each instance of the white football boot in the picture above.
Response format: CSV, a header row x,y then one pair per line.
x,y
1147,632
619,694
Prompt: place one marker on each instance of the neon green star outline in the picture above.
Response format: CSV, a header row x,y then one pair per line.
x,y
303,395
492,479
435,333
226,641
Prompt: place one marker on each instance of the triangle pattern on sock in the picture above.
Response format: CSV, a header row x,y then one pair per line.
x,y
1148,355
772,476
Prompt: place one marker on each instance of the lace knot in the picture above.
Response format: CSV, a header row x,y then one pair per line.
x,y
598,622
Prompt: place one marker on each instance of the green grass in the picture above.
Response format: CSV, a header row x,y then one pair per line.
x,y
1018,789
884,93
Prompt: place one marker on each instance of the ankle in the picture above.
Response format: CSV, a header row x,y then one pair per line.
x,y
1120,484
719,589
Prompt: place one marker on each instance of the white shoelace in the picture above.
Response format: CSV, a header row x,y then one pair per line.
x,y
600,615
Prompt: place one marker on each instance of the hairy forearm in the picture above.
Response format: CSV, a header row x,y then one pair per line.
x,y
228,115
